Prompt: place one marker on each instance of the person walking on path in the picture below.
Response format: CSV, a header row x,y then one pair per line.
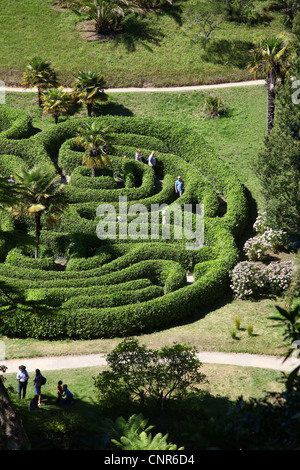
x,y
179,186
22,378
38,385
151,159
138,156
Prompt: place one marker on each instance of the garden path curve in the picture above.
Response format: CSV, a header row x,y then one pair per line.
x,y
209,357
151,89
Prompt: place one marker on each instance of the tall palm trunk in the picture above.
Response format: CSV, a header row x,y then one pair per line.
x,y
37,220
271,81
40,93
89,108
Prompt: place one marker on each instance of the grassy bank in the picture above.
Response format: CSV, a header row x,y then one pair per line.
x,y
163,55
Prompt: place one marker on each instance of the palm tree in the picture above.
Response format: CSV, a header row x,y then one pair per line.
x,y
41,193
57,103
271,56
39,73
106,13
8,193
91,136
89,88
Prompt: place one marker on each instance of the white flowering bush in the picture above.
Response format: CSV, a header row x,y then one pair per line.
x,y
279,276
256,248
250,279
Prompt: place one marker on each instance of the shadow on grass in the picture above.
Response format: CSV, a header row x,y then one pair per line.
x,y
225,52
136,30
111,108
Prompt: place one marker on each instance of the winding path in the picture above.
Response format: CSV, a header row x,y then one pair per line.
x,y
151,89
208,357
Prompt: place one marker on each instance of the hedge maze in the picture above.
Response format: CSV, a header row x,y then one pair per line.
x,y
117,287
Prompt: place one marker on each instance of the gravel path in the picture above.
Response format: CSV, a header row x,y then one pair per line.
x,y
151,89
89,360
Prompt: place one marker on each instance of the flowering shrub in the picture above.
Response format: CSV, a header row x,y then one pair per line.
x,y
267,239
250,279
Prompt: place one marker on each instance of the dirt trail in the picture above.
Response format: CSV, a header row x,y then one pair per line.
x,y
153,89
209,357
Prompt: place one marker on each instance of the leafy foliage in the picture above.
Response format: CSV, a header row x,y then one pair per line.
x,y
136,372
133,434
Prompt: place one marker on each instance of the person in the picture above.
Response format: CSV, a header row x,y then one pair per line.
x,y
34,403
11,179
179,186
59,392
68,400
151,159
138,156
22,378
104,148
37,385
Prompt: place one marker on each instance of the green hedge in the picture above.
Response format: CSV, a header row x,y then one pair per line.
x,y
92,298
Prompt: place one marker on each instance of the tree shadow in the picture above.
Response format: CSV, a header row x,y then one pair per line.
x,y
111,108
225,52
137,30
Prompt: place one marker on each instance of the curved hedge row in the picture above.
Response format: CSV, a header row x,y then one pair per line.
x,y
123,287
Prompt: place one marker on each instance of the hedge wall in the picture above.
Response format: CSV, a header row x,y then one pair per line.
x,y
123,287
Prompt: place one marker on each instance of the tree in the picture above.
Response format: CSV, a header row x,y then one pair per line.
x,y
91,135
204,18
39,73
278,166
41,194
272,57
106,13
57,103
163,375
89,88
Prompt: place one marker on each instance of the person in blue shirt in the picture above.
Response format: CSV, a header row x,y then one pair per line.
x,y
179,186
68,400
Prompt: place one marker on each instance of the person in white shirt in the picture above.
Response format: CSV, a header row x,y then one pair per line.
x,y
22,378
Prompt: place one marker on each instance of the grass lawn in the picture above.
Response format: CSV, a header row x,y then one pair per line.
x,y
166,56
59,426
237,137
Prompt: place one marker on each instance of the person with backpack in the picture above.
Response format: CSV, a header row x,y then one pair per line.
x,y
39,380
22,378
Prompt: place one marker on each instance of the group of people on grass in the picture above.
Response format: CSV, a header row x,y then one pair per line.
x,y
64,396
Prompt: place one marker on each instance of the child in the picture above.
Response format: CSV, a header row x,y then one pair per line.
x,y
59,392
69,396
34,403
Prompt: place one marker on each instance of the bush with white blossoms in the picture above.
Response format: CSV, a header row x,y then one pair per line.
x,y
267,239
250,279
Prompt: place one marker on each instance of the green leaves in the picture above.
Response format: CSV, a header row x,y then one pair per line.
x,y
133,434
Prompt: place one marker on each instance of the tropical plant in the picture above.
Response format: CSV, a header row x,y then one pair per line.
x,y
39,73
133,434
57,103
271,56
214,106
91,135
88,87
8,193
106,13
41,193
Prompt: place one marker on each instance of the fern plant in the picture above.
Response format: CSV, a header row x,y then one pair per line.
x,y
133,434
